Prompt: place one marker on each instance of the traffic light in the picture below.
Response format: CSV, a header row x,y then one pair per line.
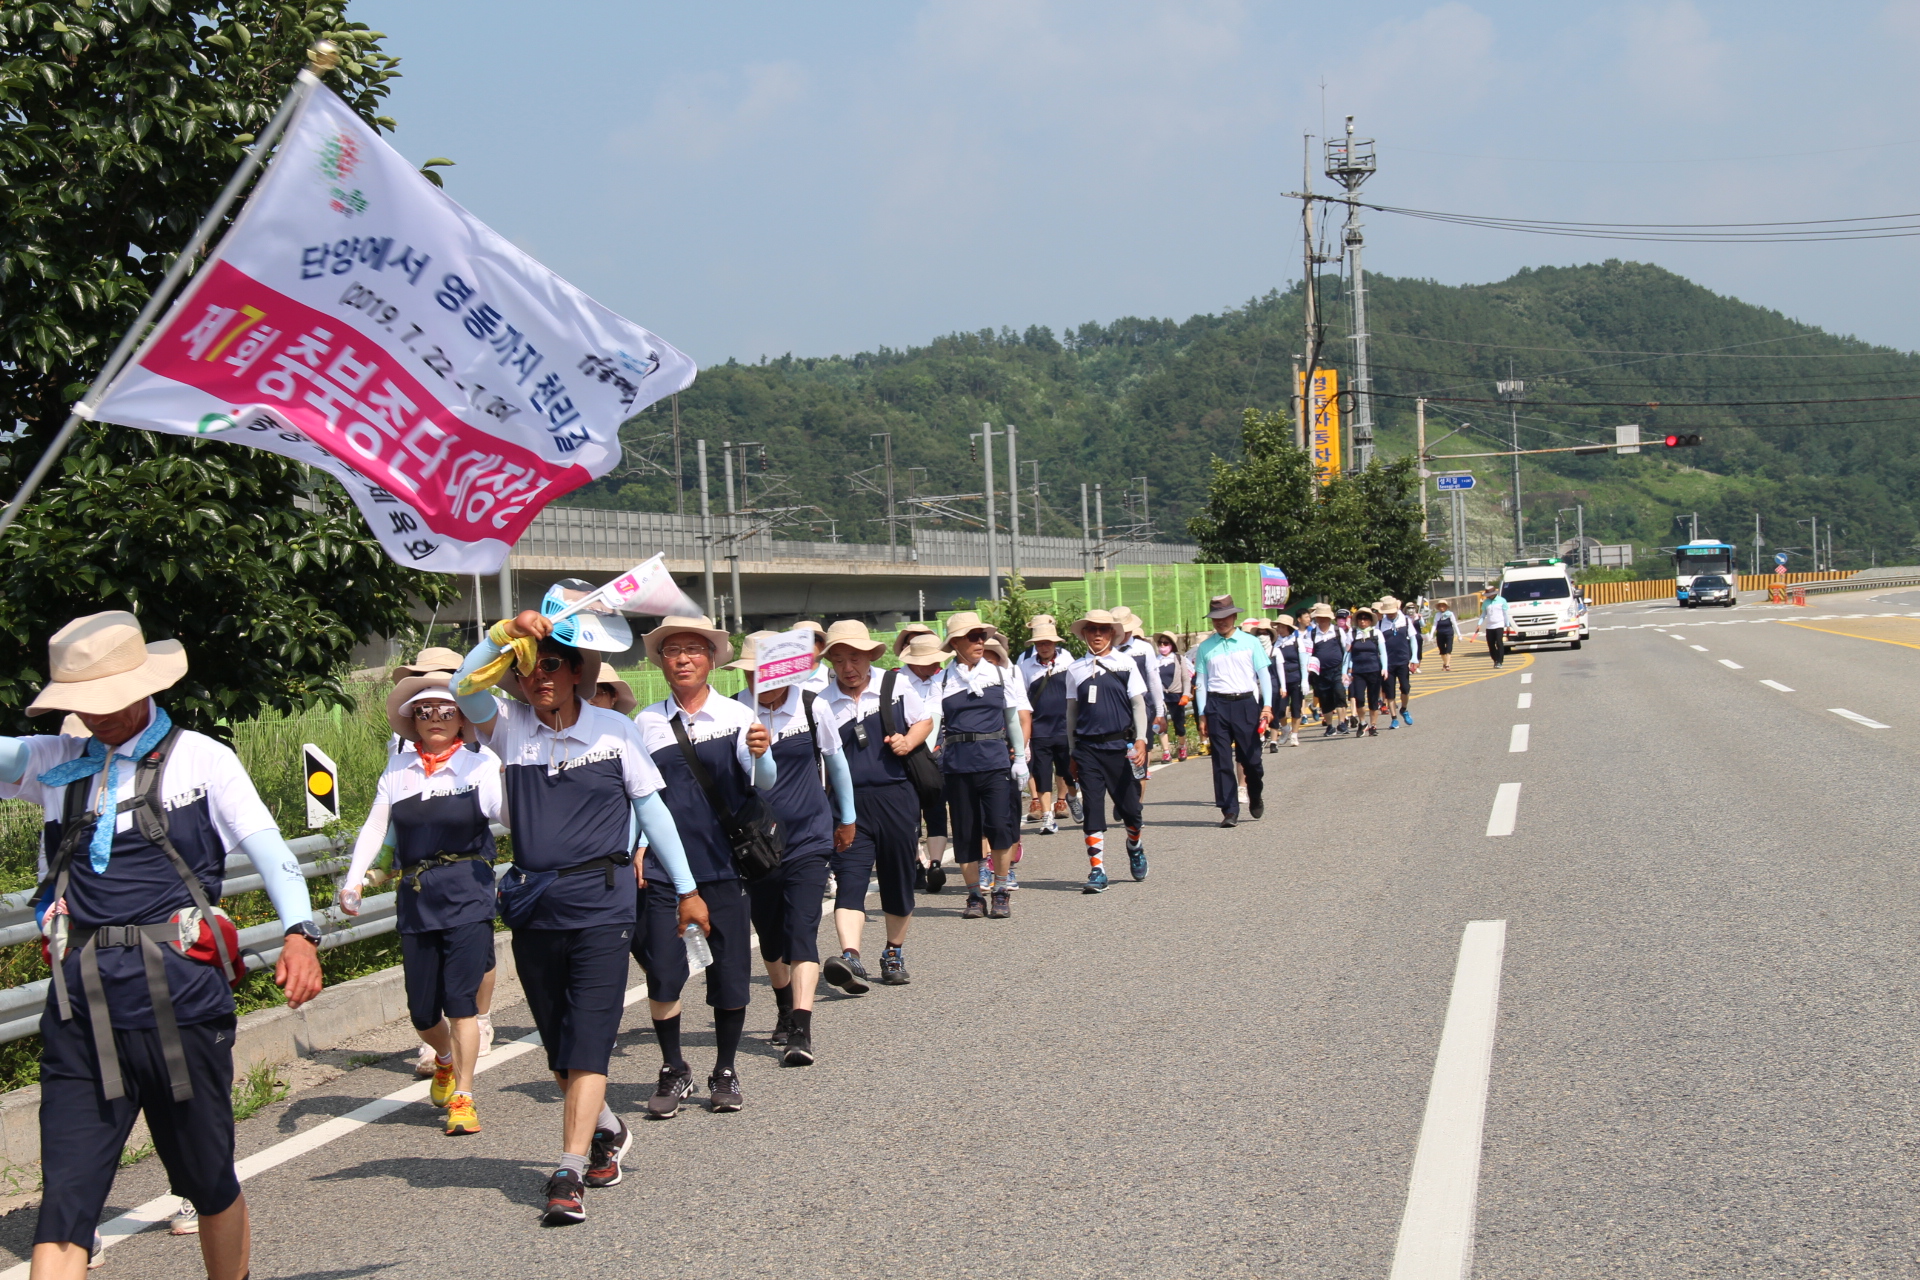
x,y
1682,442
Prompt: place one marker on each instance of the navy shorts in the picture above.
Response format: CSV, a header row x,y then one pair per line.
x,y
934,813
1049,756
443,969
1399,677
785,907
82,1134
576,985
852,871
984,808
886,827
730,976
1367,688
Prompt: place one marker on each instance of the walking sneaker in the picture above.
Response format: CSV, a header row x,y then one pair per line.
x,y
1243,795
1137,859
919,877
1373,732
1206,748
1273,747
675,1083
566,1199
1001,908
781,1026
484,1024
603,1157
936,878
423,1062
1074,807
799,1051
462,1119
1096,882
846,972
1293,737
1229,819
1166,756
723,1089
1060,807
986,876
1406,714
98,1253
1183,753
893,968
1329,732
1033,809
976,907
185,1221
1393,721
1257,809
1049,827
442,1087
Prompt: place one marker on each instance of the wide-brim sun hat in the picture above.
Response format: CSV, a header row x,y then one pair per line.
x,y
624,698
924,651
749,659
1323,611
961,623
905,635
410,690
1222,607
853,633
997,645
1042,627
675,624
808,624
1284,621
1390,604
1168,636
1097,618
434,659
102,663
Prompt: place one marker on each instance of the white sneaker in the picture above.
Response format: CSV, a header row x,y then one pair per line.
x,y
186,1220
98,1253
486,1034
1293,738
423,1064
1243,796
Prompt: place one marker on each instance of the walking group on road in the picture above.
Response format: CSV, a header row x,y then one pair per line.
x,y
673,835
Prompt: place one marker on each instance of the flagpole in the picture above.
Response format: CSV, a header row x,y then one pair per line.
x,y
321,58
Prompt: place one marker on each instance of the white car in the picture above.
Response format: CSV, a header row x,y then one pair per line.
x,y
1545,605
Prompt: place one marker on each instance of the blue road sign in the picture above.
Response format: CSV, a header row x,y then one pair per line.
x,y
1779,557
1457,480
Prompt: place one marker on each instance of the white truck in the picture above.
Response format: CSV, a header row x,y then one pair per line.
x,y
1546,606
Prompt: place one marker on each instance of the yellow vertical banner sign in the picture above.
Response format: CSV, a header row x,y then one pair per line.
x,y
1323,421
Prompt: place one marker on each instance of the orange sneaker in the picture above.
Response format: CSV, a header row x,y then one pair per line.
x,y
442,1088
461,1119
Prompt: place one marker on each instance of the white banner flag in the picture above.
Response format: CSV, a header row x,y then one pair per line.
x,y
357,319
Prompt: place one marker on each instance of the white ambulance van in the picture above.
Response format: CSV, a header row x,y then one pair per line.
x,y
1547,607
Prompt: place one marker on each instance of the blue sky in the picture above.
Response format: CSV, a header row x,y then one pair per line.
x,y
757,178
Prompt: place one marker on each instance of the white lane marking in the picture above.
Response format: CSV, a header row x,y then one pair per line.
x,y
1436,1230
1506,808
1526,677
1731,665
1518,742
1775,684
1675,634
1698,648
1526,700
1857,718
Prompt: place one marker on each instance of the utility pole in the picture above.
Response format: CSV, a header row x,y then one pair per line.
x,y
1037,526
886,437
1350,162
1298,403
1099,528
706,524
1086,536
985,436
1513,391
1309,286
733,533
1013,503
1580,530
1420,459
1758,542
679,472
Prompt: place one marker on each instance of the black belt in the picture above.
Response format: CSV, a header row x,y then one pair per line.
x,y
998,735
609,862
1120,735
415,870
1228,697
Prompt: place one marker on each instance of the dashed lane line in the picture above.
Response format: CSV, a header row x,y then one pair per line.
x,y
1437,1226
1731,665
1775,684
1698,648
1518,742
1527,678
1506,810
1525,701
1857,718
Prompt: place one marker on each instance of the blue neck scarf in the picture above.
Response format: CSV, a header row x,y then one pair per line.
x,y
93,760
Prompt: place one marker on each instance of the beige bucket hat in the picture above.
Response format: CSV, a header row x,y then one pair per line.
x,y
808,624
924,651
961,623
1323,610
1099,617
1130,621
434,659
997,647
102,663
400,715
624,698
905,635
1390,604
854,634
1043,627
749,659
674,624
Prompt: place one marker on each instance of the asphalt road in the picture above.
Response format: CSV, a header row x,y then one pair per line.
x,y
1703,1065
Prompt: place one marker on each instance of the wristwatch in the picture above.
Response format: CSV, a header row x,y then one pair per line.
x,y
306,929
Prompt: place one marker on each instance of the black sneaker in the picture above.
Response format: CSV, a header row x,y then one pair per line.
x,y
1001,908
1229,819
799,1054
920,877
566,1199
1256,809
723,1088
846,972
675,1084
936,878
893,968
976,907
603,1158
780,1029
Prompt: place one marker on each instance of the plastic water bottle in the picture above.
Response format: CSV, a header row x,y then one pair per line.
x,y
1140,769
699,954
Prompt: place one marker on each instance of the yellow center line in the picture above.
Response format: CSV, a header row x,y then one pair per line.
x,y
1851,635
1449,680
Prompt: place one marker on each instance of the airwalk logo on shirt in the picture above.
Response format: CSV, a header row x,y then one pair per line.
x,y
530,755
184,798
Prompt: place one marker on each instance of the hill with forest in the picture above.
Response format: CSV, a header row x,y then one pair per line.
x,y
1797,423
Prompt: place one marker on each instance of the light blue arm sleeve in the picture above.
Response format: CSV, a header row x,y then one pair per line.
x,y
1262,672
652,816
280,873
479,707
1202,658
13,760
1015,738
765,771
840,778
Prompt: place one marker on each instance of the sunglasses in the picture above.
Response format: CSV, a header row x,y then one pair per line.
x,y
550,664
441,712
977,637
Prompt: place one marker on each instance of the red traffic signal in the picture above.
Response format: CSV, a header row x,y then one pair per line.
x,y
1682,442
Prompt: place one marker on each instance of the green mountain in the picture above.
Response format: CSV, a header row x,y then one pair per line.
x,y
1797,423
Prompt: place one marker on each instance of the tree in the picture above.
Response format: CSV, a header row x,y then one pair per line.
x,y
1351,540
122,120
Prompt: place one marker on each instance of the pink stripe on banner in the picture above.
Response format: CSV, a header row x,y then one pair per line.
x,y
782,667
249,345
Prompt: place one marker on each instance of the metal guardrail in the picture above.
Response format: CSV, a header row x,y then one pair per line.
x,y
1852,584
21,1006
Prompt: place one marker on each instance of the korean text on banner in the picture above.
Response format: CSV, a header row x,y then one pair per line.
x,y
783,660
1274,588
356,319
1323,421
